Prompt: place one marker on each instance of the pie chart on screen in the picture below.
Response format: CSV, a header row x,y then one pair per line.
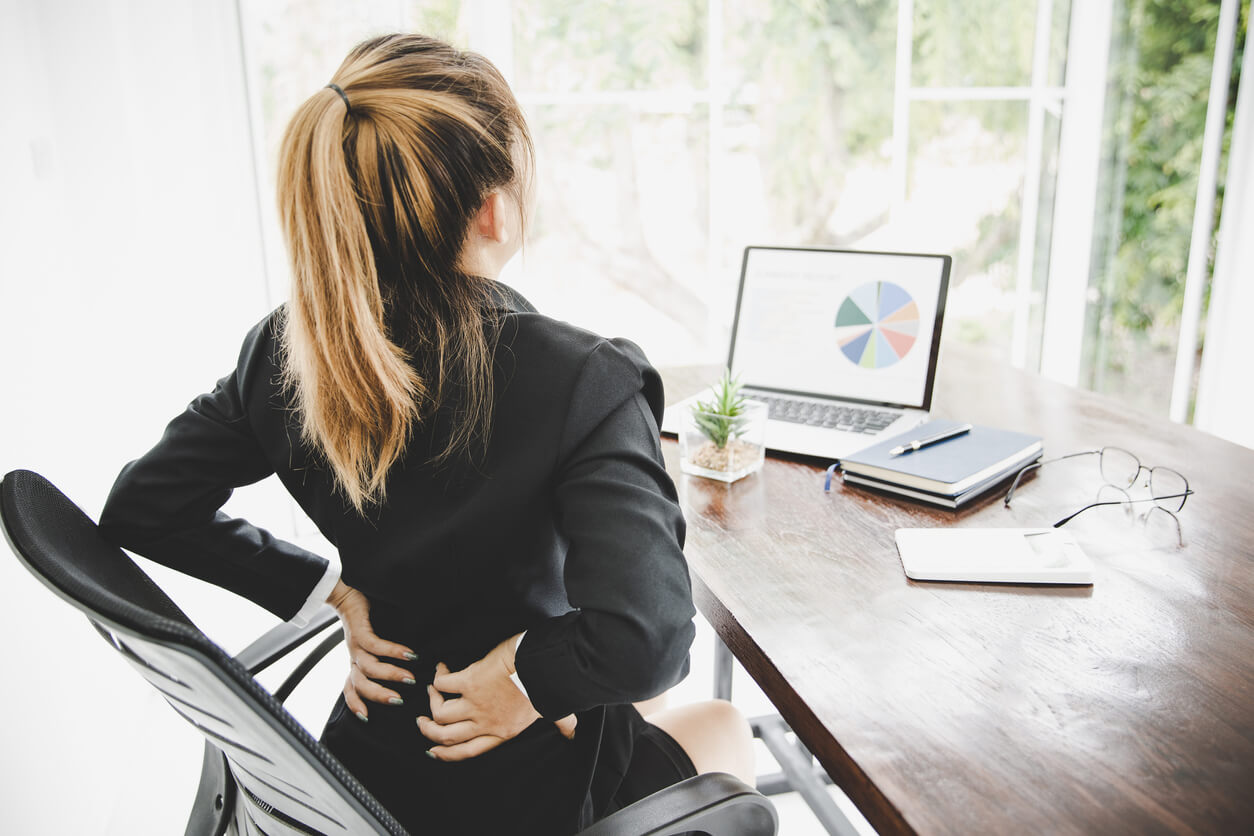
x,y
877,325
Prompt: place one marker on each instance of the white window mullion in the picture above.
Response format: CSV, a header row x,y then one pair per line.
x,y
677,101
491,33
1225,399
988,94
1204,210
1079,156
717,97
274,266
1029,213
901,104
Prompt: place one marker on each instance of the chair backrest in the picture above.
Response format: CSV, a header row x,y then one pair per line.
x,y
289,783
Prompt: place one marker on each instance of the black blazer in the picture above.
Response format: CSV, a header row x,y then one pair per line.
x,y
568,528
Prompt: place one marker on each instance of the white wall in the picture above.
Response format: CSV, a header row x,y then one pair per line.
x,y
130,268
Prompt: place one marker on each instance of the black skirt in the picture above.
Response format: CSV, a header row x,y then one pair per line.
x,y
538,783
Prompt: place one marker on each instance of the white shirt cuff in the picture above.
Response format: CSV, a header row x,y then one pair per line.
x,y
318,597
513,677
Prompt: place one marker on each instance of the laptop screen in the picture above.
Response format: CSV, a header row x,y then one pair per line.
x,y
855,325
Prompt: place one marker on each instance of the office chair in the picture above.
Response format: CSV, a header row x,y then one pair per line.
x,y
263,774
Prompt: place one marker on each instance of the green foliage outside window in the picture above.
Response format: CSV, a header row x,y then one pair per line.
x,y
1156,109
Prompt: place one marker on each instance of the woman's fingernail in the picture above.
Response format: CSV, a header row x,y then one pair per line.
x,y
431,755
409,680
411,656
395,701
361,715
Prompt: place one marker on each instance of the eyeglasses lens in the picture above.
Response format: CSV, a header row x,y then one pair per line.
x,y
1165,482
1113,493
1119,467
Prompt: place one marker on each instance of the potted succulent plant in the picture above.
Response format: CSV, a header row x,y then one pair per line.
x,y
722,434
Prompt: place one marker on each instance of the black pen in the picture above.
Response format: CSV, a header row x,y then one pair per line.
x,y
911,446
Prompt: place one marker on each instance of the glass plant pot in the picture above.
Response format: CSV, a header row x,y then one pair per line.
x,y
743,449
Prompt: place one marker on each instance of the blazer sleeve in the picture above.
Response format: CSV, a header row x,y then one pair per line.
x,y
165,505
625,572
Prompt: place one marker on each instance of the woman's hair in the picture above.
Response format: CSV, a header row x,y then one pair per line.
x,y
377,188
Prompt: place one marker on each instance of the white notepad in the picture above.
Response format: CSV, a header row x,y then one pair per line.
x,y
993,555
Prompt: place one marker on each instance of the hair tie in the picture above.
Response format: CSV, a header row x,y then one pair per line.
x,y
343,95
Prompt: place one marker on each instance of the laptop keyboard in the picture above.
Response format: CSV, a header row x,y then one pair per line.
x,y
815,414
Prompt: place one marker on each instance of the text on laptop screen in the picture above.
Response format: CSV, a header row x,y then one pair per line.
x,y
847,325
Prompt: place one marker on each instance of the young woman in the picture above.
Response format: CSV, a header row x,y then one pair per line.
x,y
510,542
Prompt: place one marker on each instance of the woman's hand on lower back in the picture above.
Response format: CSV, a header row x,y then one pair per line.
x,y
364,652
488,710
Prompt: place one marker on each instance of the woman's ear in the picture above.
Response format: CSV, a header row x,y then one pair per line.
x,y
492,220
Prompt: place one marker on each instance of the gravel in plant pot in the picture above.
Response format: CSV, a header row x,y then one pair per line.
x,y
722,435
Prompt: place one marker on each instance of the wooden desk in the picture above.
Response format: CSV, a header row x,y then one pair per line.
x,y
1126,707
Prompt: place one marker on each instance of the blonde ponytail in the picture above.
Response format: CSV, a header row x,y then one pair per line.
x,y
375,203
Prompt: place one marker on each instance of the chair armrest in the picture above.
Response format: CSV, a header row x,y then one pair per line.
x,y
283,639
713,803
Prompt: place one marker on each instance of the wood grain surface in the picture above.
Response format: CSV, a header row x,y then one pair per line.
x,y
1124,707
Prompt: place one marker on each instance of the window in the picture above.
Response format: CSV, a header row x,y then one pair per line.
x,y
1152,152
672,133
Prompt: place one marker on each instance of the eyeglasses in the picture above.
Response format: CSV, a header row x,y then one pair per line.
x,y
1121,469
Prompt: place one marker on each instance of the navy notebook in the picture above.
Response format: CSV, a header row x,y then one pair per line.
x,y
949,467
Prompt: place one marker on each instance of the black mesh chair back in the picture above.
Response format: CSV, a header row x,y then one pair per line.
x,y
287,782
264,774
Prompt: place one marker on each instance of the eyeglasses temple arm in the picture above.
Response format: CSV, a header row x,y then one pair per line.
x,y
1014,486
1022,471
1071,517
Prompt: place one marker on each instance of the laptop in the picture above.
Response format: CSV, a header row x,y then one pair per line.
x,y
841,345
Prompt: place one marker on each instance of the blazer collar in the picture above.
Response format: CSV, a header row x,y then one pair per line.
x,y
508,299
